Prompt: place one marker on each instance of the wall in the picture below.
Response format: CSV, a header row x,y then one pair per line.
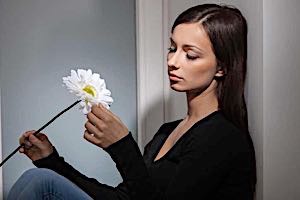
x,y
281,47
150,70
1,179
40,42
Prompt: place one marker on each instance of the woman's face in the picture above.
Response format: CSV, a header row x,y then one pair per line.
x,y
191,60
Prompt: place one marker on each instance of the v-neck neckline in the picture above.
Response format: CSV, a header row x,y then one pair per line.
x,y
180,138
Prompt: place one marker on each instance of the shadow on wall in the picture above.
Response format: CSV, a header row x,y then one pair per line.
x,y
152,120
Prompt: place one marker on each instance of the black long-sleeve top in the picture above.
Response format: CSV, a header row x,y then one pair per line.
x,y
213,160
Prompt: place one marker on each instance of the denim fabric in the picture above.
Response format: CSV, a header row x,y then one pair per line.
x,y
45,184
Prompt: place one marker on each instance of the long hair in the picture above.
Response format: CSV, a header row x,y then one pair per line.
x,y
227,30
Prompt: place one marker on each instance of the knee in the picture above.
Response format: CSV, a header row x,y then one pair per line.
x,y
38,176
40,179
39,173
31,180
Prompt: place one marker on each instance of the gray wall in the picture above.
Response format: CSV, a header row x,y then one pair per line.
x,y
40,42
281,99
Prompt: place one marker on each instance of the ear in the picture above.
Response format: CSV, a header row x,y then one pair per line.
x,y
220,72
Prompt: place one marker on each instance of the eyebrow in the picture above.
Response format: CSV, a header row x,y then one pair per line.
x,y
188,45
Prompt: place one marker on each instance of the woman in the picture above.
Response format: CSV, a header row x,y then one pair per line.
x,y
207,155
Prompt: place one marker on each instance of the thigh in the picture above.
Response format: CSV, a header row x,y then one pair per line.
x,y
45,184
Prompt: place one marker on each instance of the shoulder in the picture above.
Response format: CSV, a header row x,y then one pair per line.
x,y
163,131
219,133
167,127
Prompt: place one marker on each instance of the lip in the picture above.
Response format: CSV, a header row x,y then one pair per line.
x,y
174,77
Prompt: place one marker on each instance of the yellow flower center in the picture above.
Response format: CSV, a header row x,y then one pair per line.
x,y
90,90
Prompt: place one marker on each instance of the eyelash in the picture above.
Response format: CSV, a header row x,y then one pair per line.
x,y
191,57
172,50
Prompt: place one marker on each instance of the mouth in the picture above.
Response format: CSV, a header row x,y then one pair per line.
x,y
174,77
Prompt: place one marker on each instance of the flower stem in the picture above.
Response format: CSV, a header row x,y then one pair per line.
x,y
40,129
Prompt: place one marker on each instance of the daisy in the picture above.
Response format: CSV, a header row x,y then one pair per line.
x,y
89,88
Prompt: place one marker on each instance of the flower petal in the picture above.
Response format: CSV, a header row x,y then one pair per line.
x,y
77,83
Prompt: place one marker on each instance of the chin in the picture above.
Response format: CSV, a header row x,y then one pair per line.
x,y
177,88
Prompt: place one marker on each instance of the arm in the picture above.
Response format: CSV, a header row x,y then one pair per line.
x,y
202,170
90,185
204,162
43,154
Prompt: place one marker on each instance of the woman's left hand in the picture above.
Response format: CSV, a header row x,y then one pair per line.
x,y
103,128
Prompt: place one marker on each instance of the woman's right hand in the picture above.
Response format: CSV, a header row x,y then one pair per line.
x,y
35,147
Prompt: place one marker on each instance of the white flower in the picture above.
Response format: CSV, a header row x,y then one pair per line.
x,y
89,87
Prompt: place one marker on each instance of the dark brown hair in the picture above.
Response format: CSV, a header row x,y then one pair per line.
x,y
227,30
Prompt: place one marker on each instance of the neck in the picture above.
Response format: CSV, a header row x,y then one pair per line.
x,y
201,104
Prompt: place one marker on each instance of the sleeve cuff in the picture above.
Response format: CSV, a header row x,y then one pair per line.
x,y
119,144
43,162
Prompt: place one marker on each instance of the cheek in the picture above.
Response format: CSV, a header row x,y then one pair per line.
x,y
201,74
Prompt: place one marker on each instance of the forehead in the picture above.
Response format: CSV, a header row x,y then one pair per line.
x,y
191,34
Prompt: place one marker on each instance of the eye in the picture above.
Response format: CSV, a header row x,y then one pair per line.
x,y
191,57
172,49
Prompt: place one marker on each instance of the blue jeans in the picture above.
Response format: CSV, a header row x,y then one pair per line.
x,y
44,184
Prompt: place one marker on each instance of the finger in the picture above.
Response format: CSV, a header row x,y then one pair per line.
x,y
91,128
42,137
98,123
100,112
33,132
25,135
27,144
21,150
35,141
28,133
108,112
22,139
93,118
89,137
104,109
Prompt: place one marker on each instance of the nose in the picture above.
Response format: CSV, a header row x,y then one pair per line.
x,y
173,60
